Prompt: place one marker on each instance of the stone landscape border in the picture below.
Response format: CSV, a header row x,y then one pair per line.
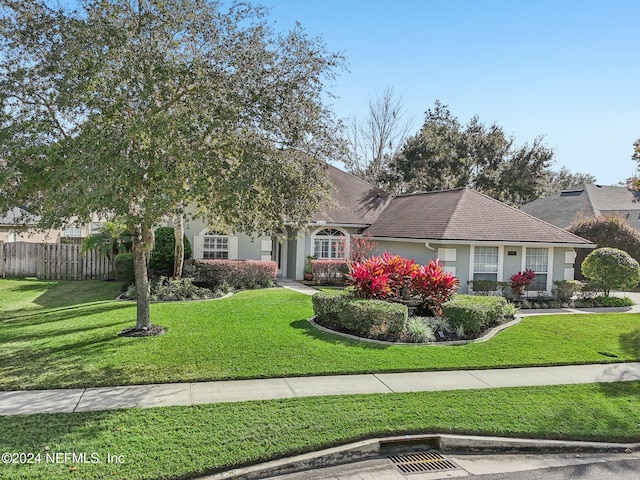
x,y
489,335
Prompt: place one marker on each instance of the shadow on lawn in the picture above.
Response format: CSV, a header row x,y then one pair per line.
x,y
19,335
67,364
57,294
630,343
310,331
32,318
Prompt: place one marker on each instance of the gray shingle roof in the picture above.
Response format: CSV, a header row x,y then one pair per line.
x,y
464,215
17,216
355,201
564,208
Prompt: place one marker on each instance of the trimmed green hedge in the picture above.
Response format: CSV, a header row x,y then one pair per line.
x,y
366,318
374,318
474,312
328,304
234,274
163,254
124,270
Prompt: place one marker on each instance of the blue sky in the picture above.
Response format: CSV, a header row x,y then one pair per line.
x,y
568,70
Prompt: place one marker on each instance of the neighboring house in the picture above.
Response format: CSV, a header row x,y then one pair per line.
x,y
587,200
76,233
475,236
17,225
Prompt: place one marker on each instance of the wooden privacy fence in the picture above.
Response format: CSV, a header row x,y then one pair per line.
x,y
52,261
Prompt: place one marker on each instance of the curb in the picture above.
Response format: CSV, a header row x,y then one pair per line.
x,y
381,447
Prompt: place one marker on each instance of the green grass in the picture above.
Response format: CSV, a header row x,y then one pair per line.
x,y
64,334
184,442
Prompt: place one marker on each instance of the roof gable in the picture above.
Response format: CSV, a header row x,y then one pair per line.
x,y
354,201
464,215
18,216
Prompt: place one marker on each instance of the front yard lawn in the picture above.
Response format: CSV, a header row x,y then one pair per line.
x,y
64,334
186,442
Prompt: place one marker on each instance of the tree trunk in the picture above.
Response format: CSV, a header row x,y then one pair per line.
x,y
178,256
143,243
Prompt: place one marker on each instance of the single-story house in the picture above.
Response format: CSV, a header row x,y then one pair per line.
x,y
475,236
587,200
18,225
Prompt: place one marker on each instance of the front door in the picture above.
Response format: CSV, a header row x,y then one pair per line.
x,y
279,255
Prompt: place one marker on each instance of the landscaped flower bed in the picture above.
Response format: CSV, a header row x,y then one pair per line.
x,y
375,306
465,317
209,279
565,294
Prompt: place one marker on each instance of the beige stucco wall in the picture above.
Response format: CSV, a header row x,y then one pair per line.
x,y
31,236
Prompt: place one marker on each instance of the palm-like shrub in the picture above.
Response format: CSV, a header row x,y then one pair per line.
x,y
111,239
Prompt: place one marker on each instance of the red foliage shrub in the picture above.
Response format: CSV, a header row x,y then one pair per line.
x,y
395,276
520,280
434,285
400,272
370,278
236,273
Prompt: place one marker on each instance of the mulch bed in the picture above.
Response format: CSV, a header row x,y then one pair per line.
x,y
446,337
152,331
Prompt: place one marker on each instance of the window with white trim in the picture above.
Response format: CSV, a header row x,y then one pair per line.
x,y
485,263
537,259
215,246
329,244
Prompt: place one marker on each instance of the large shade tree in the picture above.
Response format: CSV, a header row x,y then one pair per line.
x,y
447,154
132,109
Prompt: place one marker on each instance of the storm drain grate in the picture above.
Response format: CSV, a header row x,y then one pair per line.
x,y
422,462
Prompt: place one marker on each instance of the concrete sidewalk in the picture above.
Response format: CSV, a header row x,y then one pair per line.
x,y
146,396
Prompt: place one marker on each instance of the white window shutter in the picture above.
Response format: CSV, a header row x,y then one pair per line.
x,y
569,257
266,245
233,248
198,246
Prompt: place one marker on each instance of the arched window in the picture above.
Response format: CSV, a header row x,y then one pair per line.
x,y
329,244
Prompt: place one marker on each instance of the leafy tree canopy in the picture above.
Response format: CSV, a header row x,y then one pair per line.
x,y
562,179
446,154
608,231
130,109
